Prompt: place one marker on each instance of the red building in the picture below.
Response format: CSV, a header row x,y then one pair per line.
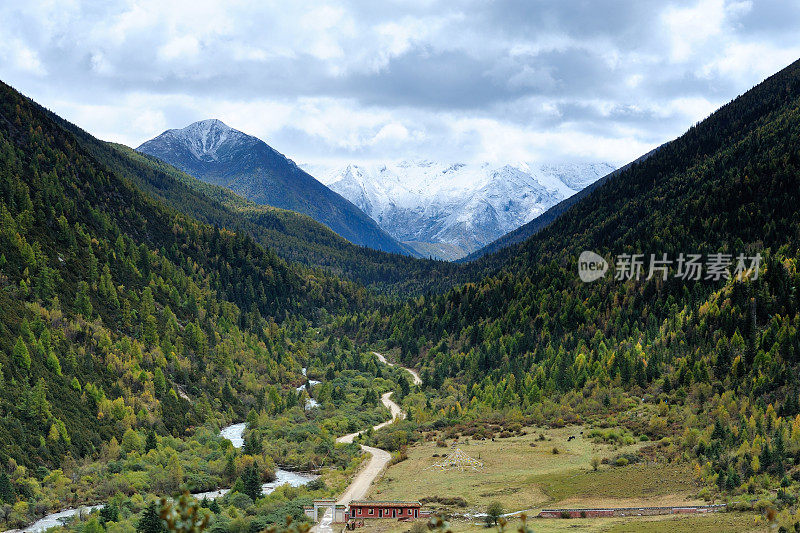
x,y
383,509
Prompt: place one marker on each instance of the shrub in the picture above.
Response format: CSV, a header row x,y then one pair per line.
x,y
494,511
555,451
621,461
738,506
240,501
762,505
316,484
399,456
454,501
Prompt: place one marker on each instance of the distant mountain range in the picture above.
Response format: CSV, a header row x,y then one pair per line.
x,y
215,153
525,231
448,210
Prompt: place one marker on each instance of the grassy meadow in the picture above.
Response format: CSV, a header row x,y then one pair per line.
x,y
524,472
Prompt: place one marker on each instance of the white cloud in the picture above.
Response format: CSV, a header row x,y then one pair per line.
x,y
453,80
15,53
182,48
740,60
691,27
391,132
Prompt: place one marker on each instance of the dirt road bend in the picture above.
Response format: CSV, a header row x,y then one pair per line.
x,y
414,374
359,487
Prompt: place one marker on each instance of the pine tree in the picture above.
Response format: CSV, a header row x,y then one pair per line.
x,y
252,446
150,331
766,457
6,489
36,404
109,513
83,305
150,442
252,482
53,363
230,467
405,388
150,521
21,356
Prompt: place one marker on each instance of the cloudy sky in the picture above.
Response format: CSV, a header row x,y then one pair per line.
x,y
352,81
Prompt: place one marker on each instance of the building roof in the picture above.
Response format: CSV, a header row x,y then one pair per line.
x,y
385,503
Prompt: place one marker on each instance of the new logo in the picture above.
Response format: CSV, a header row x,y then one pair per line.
x,y
591,266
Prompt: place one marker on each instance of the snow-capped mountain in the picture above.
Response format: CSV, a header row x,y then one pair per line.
x,y
215,153
448,210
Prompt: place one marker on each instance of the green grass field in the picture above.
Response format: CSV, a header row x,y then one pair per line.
x,y
522,472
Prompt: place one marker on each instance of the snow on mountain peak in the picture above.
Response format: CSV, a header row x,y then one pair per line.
x,y
205,137
463,205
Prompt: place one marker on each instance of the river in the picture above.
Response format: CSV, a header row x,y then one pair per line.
x,y
235,434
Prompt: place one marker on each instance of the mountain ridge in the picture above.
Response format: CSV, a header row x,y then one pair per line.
x,y
455,208
529,229
215,153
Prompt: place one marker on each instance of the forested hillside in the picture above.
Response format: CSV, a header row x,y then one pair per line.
x,y
130,332
728,185
115,308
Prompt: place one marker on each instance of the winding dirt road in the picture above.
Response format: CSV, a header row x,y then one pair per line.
x,y
380,458
359,487
414,375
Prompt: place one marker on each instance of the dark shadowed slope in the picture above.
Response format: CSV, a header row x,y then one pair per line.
x,y
217,154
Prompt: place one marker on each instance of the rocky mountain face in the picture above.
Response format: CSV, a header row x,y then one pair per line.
x,y
218,154
448,210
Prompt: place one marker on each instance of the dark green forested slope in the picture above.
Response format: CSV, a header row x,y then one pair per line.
x,y
114,308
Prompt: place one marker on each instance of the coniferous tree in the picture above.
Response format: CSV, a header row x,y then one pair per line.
x,y
83,305
150,521
109,513
21,356
405,388
230,467
150,442
6,489
252,482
